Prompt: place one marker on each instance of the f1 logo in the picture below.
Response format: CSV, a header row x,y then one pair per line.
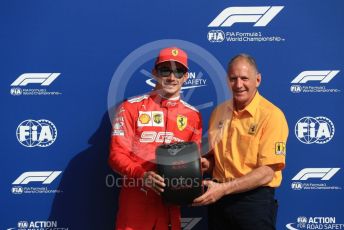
x,y
46,177
323,173
189,223
322,76
45,79
261,15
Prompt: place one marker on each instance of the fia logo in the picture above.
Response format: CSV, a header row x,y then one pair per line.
x,y
216,36
40,133
296,88
296,186
23,224
17,190
310,130
302,220
16,91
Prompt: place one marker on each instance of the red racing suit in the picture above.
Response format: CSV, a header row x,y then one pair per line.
x,y
140,125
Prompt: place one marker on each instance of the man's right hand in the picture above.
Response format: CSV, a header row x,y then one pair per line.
x,y
154,181
205,164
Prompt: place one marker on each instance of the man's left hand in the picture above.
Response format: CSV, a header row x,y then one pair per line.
x,y
214,192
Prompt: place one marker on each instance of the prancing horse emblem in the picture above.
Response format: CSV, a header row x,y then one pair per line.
x,y
181,122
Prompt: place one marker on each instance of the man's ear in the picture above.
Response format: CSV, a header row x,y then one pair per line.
x,y
154,74
158,80
259,80
228,82
186,76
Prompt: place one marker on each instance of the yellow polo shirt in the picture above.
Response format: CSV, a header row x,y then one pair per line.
x,y
245,140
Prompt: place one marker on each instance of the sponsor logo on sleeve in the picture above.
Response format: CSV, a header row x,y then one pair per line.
x,y
280,148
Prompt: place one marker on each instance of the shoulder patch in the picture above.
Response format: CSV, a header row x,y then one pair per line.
x,y
138,99
188,105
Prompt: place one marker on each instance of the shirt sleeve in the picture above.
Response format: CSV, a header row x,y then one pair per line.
x,y
123,134
272,143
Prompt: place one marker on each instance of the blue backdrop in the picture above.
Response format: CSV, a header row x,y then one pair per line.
x,y
66,64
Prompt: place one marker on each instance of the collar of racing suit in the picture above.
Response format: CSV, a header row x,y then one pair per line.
x,y
167,102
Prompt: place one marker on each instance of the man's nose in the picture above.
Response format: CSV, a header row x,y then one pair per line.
x,y
171,76
238,83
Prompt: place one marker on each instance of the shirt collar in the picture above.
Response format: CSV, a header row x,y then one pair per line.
x,y
170,99
250,108
166,102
